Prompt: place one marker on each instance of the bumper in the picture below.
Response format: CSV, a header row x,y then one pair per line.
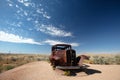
x,y
68,67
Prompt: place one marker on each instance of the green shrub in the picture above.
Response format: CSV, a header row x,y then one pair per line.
x,y
8,67
67,73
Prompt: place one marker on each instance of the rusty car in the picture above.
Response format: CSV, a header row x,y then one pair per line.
x,y
64,57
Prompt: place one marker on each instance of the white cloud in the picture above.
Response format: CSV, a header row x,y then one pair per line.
x,y
36,21
74,44
33,5
16,6
44,14
53,42
18,11
14,24
25,2
28,19
19,24
25,13
39,11
10,4
54,31
21,1
6,37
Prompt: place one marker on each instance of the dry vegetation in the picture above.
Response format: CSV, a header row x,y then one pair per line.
x,y
10,61
104,59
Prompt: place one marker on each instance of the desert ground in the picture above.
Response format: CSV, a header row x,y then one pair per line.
x,y
42,70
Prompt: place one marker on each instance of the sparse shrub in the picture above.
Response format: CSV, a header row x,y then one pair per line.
x,y
10,61
106,60
21,63
53,67
1,69
110,60
1,58
117,59
13,59
101,60
31,58
38,59
91,62
96,59
8,67
67,73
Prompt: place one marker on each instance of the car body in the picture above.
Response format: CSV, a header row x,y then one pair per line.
x,y
64,57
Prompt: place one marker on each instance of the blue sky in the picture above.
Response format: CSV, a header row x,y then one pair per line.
x,y
32,26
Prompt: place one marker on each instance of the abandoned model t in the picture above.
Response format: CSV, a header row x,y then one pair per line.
x,y
64,57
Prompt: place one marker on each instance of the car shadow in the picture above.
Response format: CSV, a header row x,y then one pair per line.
x,y
86,70
92,71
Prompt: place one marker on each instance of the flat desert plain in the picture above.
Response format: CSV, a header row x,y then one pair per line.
x,y
42,70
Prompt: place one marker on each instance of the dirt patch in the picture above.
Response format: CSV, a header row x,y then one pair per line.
x,y
43,71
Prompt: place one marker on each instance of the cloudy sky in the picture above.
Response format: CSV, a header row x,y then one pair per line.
x,y
32,26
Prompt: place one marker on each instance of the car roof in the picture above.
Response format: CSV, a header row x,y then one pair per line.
x,y
62,45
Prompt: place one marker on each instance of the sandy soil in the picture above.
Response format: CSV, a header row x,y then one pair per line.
x,y
43,71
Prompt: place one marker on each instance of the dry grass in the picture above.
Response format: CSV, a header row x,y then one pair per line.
x,y
10,61
106,59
